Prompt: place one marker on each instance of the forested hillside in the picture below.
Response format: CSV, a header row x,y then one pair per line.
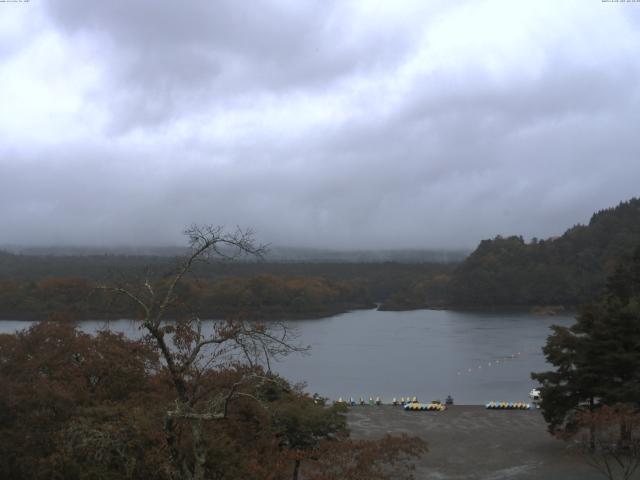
x,y
503,272
39,286
567,270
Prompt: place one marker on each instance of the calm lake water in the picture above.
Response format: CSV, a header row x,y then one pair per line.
x,y
475,357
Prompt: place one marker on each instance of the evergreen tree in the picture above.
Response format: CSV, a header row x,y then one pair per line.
x,y
596,360
567,270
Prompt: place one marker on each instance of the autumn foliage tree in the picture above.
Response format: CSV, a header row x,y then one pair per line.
x,y
614,449
61,388
189,355
189,400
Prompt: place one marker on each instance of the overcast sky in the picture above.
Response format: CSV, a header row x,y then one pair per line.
x,y
373,124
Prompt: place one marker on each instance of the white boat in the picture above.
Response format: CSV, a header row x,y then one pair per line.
x,y
534,395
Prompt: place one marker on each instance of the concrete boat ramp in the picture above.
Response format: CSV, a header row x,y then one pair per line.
x,y
469,442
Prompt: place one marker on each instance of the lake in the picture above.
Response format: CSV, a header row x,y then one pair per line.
x,y
475,357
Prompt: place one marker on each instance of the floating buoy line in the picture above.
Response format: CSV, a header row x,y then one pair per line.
x,y
493,363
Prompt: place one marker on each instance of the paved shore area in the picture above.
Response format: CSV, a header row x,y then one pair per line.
x,y
471,442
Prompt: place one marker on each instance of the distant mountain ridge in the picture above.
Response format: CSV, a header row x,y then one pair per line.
x,y
85,251
274,254
293,254
566,270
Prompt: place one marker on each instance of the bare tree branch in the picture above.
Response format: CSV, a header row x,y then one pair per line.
x,y
189,354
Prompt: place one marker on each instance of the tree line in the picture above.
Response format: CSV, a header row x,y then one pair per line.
x,y
263,297
36,286
567,270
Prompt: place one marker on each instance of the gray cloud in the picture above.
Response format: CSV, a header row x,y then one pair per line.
x,y
323,124
173,58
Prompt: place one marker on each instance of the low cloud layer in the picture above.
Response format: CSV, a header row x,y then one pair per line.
x,y
324,124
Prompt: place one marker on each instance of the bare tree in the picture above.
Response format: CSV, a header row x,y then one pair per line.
x,y
188,351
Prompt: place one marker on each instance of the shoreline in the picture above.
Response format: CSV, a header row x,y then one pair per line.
x,y
541,310
331,312
219,315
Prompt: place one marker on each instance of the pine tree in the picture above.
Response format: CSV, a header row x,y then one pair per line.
x,y
596,360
